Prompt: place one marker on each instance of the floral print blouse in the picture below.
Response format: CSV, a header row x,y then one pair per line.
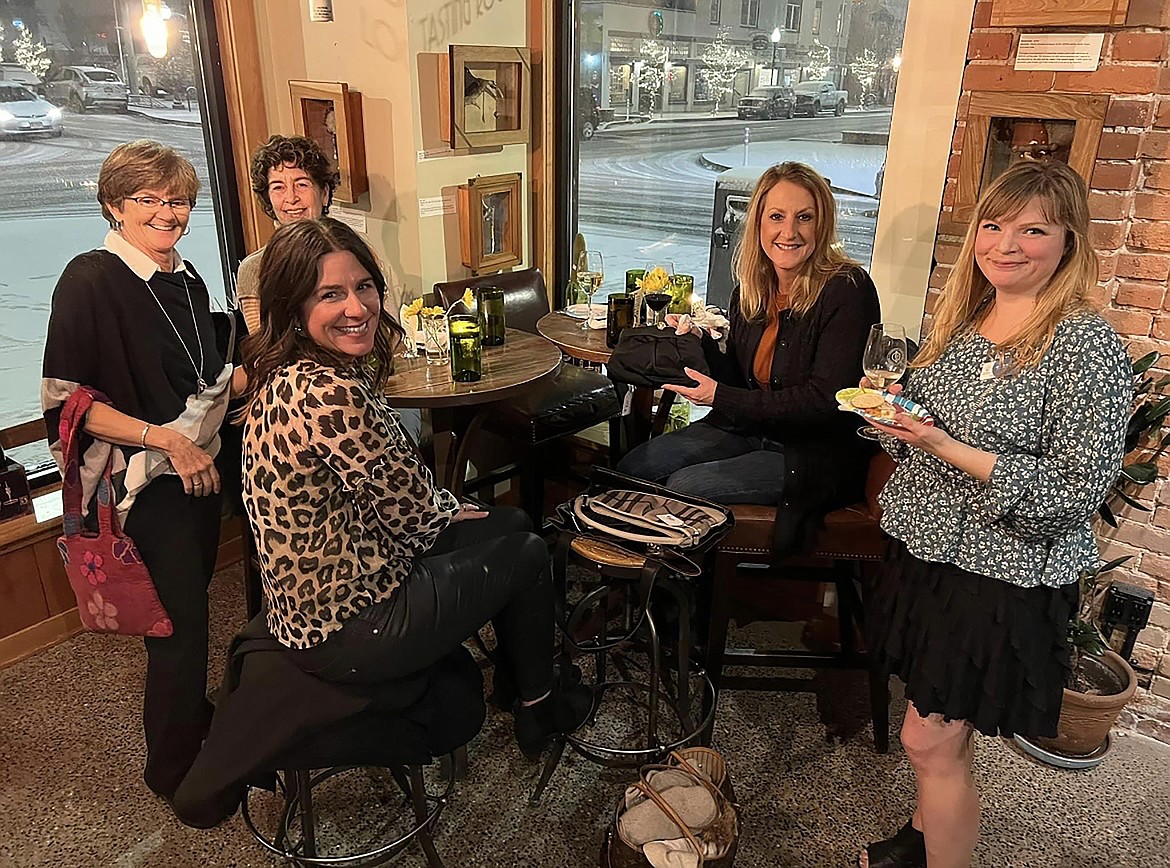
x,y
1058,431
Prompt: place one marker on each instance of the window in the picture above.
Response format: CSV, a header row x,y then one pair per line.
x,y
816,22
749,13
655,193
716,10
43,225
792,15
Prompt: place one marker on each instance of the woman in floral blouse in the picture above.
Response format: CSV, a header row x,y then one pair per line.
x,y
370,571
990,509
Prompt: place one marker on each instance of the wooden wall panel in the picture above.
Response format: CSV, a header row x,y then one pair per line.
x,y
22,602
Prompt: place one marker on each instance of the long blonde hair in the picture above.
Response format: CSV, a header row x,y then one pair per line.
x,y
754,270
968,296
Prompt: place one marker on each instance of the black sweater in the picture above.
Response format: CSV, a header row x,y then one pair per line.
x,y
816,355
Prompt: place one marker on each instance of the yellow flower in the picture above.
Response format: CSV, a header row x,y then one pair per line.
x,y
414,308
655,280
468,298
432,311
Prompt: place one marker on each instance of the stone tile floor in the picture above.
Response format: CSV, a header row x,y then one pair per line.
x,y
71,792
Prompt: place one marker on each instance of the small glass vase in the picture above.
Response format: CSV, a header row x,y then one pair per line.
x,y
466,348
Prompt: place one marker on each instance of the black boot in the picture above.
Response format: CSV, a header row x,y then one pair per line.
x,y
504,694
907,849
564,710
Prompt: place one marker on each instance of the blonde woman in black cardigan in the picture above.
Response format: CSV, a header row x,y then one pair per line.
x,y
800,316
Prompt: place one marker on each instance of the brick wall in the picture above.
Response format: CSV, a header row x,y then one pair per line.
x,y
1130,207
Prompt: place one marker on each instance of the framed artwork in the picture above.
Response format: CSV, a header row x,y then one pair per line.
x,y
330,114
1005,127
489,92
490,234
1056,13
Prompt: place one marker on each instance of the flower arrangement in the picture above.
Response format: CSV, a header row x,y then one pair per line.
x,y
655,280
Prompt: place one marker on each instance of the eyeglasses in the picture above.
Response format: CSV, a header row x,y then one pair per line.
x,y
154,203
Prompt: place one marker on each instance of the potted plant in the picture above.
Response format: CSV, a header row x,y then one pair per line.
x,y
1100,681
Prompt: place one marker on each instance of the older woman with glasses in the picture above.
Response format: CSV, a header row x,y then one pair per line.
x,y
132,319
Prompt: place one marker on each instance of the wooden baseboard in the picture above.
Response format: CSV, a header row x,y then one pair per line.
x,y
39,636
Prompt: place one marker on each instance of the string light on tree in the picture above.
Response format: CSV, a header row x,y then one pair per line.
x,y
866,69
819,61
1,41
722,61
30,54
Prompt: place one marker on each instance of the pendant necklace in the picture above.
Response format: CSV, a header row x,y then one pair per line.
x,y
200,383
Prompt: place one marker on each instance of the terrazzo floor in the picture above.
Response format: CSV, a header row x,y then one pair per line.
x,y
811,791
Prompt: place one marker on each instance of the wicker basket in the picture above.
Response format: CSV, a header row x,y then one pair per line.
x,y
722,836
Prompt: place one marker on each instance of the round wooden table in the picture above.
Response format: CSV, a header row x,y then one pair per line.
x,y
524,360
589,345
566,332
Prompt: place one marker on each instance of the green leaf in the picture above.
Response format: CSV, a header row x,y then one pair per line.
x,y
1114,564
1145,363
1107,515
1141,472
1130,501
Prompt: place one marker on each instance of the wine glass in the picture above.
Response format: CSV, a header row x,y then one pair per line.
x,y
884,360
658,302
590,275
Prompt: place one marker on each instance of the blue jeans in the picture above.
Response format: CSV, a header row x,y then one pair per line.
x,y
708,462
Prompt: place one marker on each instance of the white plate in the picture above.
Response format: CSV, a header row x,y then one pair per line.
x,y
580,311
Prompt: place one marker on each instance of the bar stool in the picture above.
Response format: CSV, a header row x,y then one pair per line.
x,y
627,586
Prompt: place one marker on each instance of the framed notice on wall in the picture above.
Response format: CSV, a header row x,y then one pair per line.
x,y
1057,13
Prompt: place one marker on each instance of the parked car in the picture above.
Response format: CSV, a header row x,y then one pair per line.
x,y
814,97
85,87
768,103
22,112
14,73
588,112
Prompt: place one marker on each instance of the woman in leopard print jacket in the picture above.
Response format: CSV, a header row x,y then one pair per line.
x,y
370,571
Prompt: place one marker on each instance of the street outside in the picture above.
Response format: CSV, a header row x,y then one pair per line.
x,y
646,196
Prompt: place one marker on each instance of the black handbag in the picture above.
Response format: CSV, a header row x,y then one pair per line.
x,y
650,356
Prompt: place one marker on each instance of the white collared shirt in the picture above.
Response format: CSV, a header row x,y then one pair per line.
x,y
135,259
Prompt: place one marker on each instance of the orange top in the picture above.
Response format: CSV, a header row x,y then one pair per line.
x,y
766,351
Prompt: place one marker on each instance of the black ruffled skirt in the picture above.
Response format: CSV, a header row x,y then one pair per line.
x,y
970,647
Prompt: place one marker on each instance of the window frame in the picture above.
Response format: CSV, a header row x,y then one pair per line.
x,y
793,13
746,16
716,11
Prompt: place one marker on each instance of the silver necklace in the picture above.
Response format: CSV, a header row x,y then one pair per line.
x,y
200,383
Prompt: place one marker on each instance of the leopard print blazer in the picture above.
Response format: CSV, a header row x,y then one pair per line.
x,y
337,498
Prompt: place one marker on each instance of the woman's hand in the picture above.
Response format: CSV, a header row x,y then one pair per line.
x,y
702,394
909,429
467,512
195,467
683,324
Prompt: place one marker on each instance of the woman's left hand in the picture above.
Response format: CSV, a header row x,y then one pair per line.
x,y
468,511
928,438
702,394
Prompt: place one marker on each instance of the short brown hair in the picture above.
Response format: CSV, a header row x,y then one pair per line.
x,y
298,152
144,165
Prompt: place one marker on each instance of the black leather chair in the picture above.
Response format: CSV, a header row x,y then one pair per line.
x,y
570,401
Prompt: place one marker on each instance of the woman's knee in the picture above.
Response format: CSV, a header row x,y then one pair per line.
x,y
510,519
932,743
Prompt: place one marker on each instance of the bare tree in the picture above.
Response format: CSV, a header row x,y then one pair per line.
x,y
722,61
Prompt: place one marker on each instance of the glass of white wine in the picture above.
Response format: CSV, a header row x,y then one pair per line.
x,y
590,275
884,360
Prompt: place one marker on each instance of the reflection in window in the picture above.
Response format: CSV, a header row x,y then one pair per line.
x,y
1012,139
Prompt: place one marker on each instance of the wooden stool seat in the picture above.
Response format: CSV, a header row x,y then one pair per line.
x,y
605,554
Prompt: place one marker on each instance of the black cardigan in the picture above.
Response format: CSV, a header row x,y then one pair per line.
x,y
816,355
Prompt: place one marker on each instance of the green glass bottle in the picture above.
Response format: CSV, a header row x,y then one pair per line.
x,y
466,348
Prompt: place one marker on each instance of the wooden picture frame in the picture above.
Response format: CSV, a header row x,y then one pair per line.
x,y
1006,126
489,96
490,222
330,114
1058,13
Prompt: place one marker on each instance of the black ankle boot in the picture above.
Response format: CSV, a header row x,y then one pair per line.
x,y
907,849
504,694
564,710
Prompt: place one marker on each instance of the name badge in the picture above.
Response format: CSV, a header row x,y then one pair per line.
x,y
987,371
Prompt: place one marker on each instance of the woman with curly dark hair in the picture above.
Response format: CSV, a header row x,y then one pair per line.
x,y
293,180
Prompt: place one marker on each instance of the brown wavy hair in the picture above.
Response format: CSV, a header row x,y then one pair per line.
x,y
300,153
144,165
288,278
968,296
754,270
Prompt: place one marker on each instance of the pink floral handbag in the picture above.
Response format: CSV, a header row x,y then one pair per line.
x,y
114,591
